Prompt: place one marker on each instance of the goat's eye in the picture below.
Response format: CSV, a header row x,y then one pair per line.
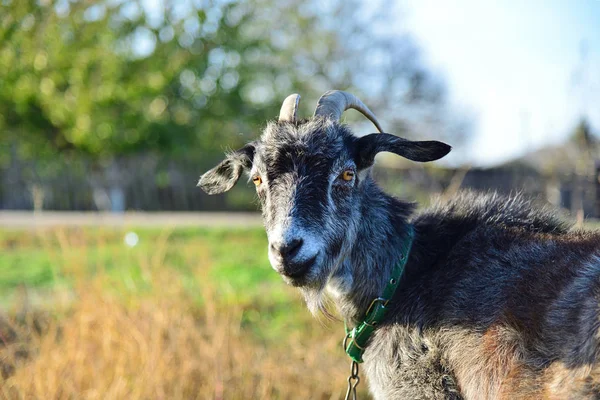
x,y
347,175
257,180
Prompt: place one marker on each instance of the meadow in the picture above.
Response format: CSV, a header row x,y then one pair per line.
x,y
179,313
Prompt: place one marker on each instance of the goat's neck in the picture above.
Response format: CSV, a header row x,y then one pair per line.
x,y
381,232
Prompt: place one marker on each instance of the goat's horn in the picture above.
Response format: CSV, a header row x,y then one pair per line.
x,y
289,108
334,102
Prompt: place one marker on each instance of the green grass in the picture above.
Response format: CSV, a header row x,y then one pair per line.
x,y
234,262
48,257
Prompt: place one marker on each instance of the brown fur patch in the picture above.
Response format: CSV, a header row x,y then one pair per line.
x,y
561,382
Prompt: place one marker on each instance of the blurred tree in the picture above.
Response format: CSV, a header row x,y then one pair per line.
x,y
101,81
109,77
104,80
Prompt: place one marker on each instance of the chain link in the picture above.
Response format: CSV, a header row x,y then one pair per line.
x,y
353,381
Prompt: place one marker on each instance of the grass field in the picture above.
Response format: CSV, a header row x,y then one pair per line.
x,y
185,313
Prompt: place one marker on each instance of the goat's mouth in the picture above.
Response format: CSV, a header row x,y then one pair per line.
x,y
298,273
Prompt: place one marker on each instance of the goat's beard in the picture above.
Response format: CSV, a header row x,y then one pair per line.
x,y
317,299
318,302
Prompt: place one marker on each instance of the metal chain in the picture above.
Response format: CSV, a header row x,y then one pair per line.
x,y
353,381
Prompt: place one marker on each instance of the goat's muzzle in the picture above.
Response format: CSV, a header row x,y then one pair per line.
x,y
290,260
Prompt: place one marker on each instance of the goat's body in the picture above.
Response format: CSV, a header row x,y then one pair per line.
x,y
498,301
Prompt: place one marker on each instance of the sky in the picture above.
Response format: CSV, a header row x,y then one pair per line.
x,y
516,66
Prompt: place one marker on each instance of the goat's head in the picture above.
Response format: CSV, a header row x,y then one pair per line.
x,y
309,176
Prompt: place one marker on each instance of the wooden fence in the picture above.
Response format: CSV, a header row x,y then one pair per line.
x,y
154,183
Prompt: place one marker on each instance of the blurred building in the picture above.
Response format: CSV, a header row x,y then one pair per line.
x,y
565,175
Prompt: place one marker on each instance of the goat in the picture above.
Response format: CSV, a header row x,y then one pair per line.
x,y
498,299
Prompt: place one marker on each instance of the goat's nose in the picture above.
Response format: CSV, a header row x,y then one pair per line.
x,y
288,249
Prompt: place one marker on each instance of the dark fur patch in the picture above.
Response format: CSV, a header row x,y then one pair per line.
x,y
469,209
508,290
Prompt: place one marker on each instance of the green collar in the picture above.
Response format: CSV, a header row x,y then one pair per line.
x,y
357,338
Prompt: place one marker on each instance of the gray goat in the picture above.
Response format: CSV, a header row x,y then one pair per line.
x,y
495,300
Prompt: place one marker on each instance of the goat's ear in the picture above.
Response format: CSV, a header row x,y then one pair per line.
x,y
222,177
368,146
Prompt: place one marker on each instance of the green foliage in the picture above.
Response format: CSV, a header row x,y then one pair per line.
x,y
73,77
109,78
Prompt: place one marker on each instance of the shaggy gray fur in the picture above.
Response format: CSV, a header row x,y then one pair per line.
x,y
499,299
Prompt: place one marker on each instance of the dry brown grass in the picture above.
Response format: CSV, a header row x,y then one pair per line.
x,y
162,345
161,349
